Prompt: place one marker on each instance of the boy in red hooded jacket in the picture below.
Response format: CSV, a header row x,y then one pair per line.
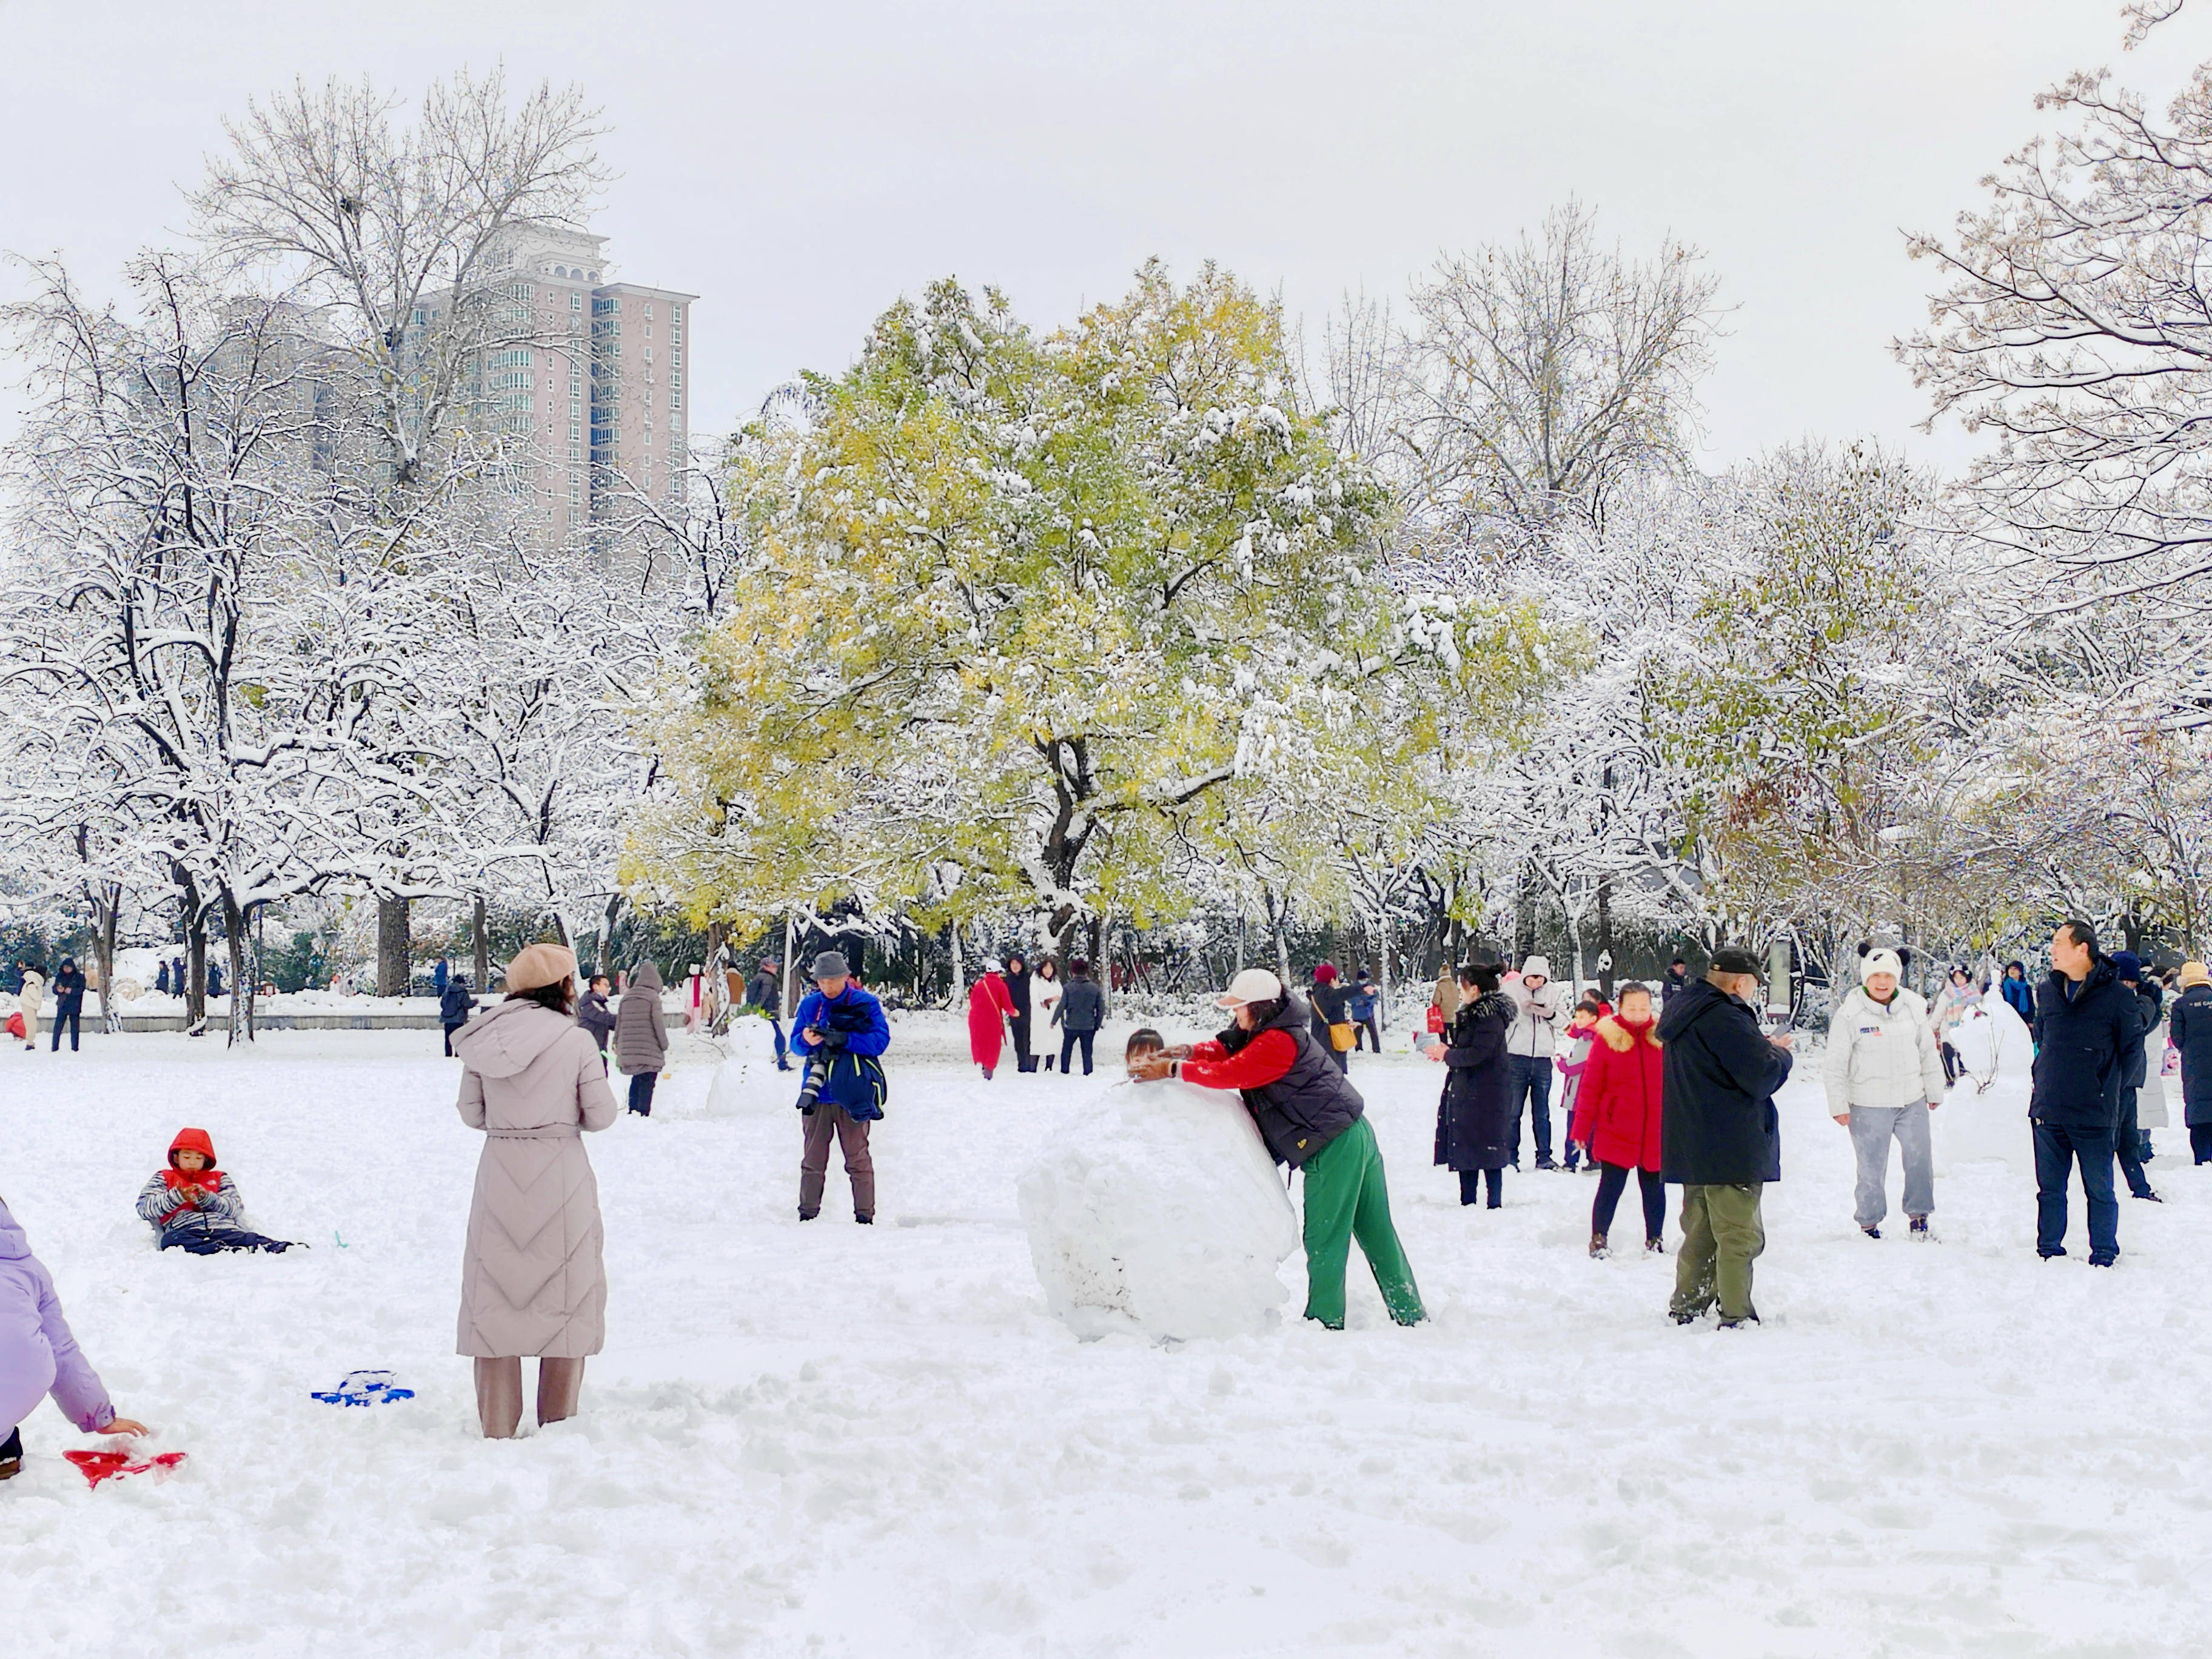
x,y
195,1207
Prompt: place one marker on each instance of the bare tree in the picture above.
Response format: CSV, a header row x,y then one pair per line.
x,y
404,238
1543,374
2072,333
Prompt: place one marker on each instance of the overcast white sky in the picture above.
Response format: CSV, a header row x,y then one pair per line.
x,y
800,164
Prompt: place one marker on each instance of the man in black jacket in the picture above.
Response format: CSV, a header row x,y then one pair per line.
x,y
2085,1020
1718,1134
2130,1144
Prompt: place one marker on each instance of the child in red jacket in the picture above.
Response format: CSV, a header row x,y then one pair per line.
x,y
1617,1116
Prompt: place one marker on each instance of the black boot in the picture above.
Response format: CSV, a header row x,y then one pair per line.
x,y
11,1454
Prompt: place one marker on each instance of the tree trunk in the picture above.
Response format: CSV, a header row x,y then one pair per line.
x,y
1605,957
106,918
790,939
240,1027
481,939
196,1007
392,947
959,973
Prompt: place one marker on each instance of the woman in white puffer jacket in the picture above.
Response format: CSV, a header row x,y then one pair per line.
x,y
1884,1075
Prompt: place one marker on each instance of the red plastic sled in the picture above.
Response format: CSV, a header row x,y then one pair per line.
x,y
17,1030
100,1466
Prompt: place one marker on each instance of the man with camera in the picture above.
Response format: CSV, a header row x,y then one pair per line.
x,y
840,1031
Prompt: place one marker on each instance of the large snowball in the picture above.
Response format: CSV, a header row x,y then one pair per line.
x,y
1158,1210
1984,1115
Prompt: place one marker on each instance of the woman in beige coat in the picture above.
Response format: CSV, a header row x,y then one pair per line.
x,y
33,999
532,1281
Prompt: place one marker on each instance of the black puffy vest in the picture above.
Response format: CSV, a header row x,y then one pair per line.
x,y
1311,1104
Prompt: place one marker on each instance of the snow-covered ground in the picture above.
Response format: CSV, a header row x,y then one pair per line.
x,y
836,1440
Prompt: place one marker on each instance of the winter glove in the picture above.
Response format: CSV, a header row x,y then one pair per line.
x,y
833,1040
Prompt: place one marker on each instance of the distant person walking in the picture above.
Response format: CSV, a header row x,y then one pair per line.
x,y
1046,988
2131,1146
455,1004
1677,978
1331,1016
1476,1127
990,1005
2190,1028
1720,1136
595,1012
1081,1013
30,1000
69,1002
1366,1003
641,1036
2085,1023
2019,994
764,991
1017,1025
1532,1043
533,1278
1883,1077
840,1033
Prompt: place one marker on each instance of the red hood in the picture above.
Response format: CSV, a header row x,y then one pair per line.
x,y
192,1141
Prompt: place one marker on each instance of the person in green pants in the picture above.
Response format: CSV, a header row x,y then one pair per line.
x,y
1718,1133
1312,1119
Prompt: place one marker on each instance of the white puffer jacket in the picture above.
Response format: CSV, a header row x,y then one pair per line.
x,y
1881,1057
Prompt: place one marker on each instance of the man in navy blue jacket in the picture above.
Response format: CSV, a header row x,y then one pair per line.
x,y
840,1031
2085,1020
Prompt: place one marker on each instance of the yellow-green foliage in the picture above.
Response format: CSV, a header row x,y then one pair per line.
x,y
1016,603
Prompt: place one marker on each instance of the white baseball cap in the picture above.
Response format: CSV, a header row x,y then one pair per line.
x,y
1253,985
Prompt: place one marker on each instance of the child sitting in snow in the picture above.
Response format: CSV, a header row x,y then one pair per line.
x,y
1143,1043
195,1207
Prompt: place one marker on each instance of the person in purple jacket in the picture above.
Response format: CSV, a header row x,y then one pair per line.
x,y
37,1355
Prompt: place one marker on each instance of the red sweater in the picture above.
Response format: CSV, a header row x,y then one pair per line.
x,y
1267,1059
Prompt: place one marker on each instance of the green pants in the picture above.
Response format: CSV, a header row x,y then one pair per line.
x,y
1346,1198
1721,1236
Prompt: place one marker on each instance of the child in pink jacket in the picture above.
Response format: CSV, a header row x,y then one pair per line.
x,y
37,1355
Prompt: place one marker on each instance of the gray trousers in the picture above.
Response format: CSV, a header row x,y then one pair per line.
x,y
1872,1127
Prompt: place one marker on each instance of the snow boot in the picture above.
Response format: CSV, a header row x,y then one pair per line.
x,y
1920,1230
11,1454
1547,1162
1871,1231
1655,1247
2103,1259
2149,1197
1600,1246
865,1220
808,1215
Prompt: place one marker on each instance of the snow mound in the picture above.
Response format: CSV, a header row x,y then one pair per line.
x,y
747,1079
1984,1115
1158,1210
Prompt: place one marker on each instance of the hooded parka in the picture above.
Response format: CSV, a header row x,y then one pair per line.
x,y
531,1277
989,1007
1720,1129
640,1026
1476,1122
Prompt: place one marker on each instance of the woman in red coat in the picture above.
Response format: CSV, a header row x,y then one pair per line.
x,y
990,1005
1617,1113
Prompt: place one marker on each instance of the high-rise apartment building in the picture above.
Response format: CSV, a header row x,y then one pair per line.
x,y
601,393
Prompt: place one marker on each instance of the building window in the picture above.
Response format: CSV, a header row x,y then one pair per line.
x,y
576,302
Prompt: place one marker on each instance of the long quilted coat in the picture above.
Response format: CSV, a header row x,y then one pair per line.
x,y
531,1279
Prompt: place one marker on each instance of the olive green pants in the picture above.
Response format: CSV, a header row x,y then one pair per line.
x,y
1346,1198
1721,1236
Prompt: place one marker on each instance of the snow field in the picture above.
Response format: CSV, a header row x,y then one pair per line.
x,y
836,1440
